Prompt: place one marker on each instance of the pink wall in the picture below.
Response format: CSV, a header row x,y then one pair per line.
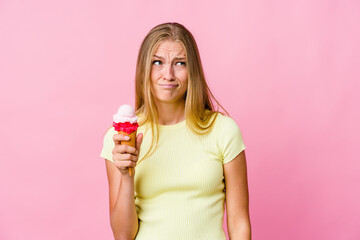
x,y
287,71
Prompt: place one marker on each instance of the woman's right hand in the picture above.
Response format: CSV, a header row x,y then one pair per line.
x,y
126,156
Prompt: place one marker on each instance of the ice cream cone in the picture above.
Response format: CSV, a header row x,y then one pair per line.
x,y
131,142
125,123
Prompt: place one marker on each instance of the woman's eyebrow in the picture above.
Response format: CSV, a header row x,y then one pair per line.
x,y
158,56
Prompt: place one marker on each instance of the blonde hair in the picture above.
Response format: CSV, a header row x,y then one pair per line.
x,y
199,106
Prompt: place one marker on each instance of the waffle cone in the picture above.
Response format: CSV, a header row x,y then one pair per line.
x,y
132,141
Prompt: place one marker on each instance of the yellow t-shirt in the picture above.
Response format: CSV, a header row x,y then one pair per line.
x,y
179,189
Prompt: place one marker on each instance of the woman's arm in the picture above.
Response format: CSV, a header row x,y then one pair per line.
x,y
237,198
123,216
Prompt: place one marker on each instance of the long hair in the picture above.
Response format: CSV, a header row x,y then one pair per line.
x,y
200,114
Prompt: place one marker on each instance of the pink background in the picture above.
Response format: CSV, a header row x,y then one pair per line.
x,y
287,72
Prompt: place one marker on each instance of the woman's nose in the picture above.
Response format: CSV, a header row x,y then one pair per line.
x,y
168,72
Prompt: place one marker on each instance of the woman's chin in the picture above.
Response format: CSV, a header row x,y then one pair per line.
x,y
170,100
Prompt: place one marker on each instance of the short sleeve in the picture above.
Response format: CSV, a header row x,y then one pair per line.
x,y
108,145
230,140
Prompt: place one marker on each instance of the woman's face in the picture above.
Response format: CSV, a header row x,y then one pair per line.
x,y
169,75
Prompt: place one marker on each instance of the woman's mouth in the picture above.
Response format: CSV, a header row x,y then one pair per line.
x,y
168,85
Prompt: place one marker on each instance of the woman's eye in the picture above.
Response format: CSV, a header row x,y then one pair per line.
x,y
181,63
157,62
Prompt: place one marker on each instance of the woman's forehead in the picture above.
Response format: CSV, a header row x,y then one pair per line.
x,y
170,47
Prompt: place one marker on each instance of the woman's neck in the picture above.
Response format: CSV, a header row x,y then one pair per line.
x,y
170,113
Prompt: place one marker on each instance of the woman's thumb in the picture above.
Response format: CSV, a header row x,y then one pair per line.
x,y
139,139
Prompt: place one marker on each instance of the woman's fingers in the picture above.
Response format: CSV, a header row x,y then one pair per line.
x,y
125,156
125,149
124,165
119,137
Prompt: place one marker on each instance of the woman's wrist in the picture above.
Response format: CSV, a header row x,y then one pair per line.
x,y
126,177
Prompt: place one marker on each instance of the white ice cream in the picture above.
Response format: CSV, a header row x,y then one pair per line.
x,y
126,113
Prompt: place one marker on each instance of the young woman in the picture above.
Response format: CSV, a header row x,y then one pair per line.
x,y
189,157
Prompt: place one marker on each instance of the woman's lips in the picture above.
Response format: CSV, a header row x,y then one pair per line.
x,y
168,85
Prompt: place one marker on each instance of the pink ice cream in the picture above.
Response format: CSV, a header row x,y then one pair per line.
x,y
125,119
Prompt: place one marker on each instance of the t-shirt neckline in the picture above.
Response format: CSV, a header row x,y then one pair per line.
x,y
172,126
